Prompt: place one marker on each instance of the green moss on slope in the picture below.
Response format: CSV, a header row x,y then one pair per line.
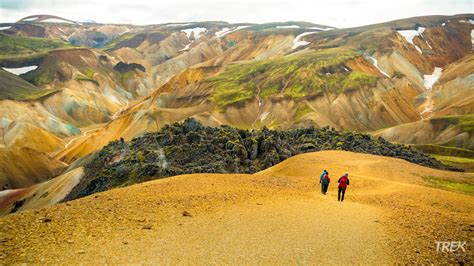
x,y
17,49
294,76
15,88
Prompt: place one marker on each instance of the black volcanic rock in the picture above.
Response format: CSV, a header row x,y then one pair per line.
x,y
124,67
189,147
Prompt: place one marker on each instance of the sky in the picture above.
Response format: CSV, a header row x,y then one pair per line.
x,y
336,13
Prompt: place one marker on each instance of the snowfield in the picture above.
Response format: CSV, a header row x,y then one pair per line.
x,y
375,62
196,31
288,27
430,80
409,35
177,24
20,70
318,28
5,28
226,31
297,43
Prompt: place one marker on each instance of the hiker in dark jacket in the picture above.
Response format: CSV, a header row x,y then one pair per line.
x,y
343,183
321,179
325,183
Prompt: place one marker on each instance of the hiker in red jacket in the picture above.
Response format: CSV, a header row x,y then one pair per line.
x,y
325,183
343,183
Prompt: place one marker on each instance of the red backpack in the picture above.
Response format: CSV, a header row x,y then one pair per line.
x,y
343,182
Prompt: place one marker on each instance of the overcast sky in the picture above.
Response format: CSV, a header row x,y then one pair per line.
x,y
338,13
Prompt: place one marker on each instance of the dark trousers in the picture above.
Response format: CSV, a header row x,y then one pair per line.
x,y
339,192
324,188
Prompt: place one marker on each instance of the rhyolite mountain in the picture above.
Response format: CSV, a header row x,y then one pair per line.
x,y
68,89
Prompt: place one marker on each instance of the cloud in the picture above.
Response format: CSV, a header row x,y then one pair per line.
x,y
338,13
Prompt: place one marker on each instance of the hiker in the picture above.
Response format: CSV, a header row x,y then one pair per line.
x,y
343,183
325,183
321,179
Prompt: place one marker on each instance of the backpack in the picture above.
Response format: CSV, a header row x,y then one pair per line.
x,y
343,182
325,180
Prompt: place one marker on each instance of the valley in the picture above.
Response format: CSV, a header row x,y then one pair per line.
x,y
119,130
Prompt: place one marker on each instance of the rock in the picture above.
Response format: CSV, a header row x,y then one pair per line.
x,y
46,219
147,227
187,214
190,147
124,67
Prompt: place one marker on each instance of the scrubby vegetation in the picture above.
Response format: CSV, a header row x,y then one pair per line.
x,y
452,185
18,48
15,88
466,122
190,147
456,157
292,76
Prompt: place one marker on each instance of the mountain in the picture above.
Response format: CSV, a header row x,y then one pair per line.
x,y
81,86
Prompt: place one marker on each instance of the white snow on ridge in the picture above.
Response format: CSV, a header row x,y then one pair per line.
x,y
186,47
177,24
20,70
222,32
430,80
318,28
297,43
409,35
377,66
226,31
194,31
465,21
288,27
5,28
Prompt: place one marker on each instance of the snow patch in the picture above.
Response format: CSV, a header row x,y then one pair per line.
x,y
409,35
318,28
222,32
177,24
288,27
5,28
429,45
194,31
465,21
444,24
297,43
186,47
20,70
226,31
377,66
430,80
